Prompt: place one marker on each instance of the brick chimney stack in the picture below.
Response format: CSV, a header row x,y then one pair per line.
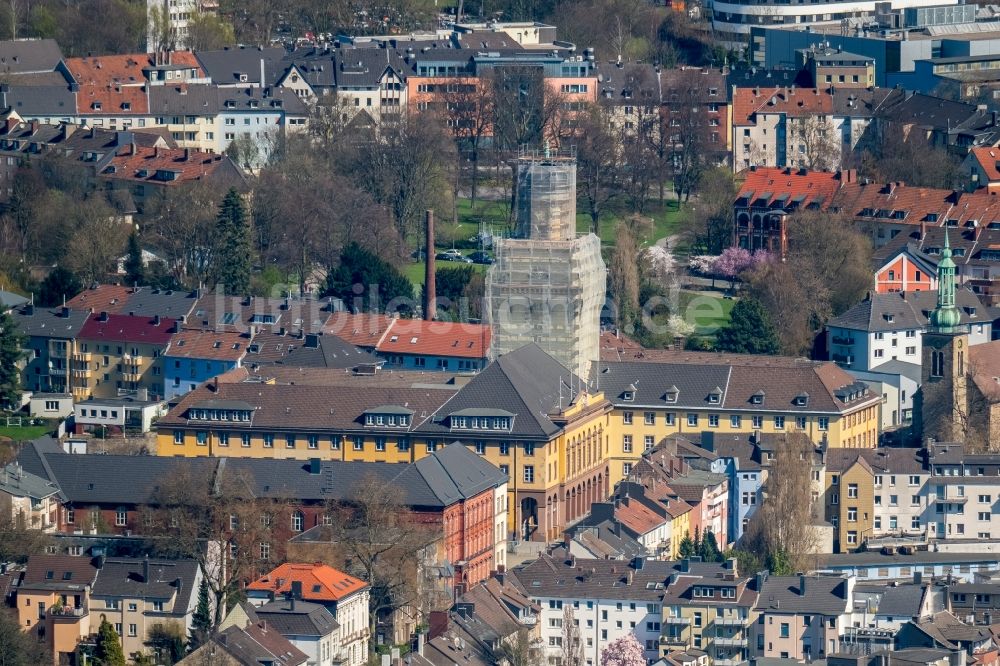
x,y
430,289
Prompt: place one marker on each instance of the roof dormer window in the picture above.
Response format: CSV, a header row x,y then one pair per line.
x,y
671,395
715,397
802,399
628,394
757,398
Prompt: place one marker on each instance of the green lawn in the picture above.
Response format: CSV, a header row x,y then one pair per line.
x,y
414,270
706,310
23,433
666,220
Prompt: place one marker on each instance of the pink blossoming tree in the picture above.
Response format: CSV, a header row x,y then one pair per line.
x,y
625,651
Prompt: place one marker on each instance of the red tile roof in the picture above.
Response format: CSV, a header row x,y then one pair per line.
x,y
149,164
436,338
362,330
109,298
775,182
790,101
128,328
912,205
988,159
638,517
114,81
221,346
320,582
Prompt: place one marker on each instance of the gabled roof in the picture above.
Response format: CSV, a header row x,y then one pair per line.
x,y
988,159
823,595
763,186
128,328
149,579
899,311
226,312
27,56
308,350
320,582
255,644
984,362
227,66
59,571
9,299
364,329
526,382
436,338
140,301
17,482
50,323
222,346
169,166
297,618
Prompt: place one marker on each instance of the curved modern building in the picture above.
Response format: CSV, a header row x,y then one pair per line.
x,y
732,19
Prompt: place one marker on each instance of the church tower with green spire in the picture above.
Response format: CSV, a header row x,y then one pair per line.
x,y
941,404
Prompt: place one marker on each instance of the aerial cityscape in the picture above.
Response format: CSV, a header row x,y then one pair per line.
x,y
500,333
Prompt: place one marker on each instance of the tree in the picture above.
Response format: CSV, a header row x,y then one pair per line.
x,y
572,643
201,621
781,531
382,545
686,548
59,285
816,142
598,158
108,651
709,548
98,239
19,648
749,331
207,32
470,113
625,651
711,219
517,649
368,284
167,642
623,278
11,351
734,262
180,222
232,252
133,261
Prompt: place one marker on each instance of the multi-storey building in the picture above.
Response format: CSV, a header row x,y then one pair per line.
x,y
52,351
26,499
53,601
657,394
122,353
194,356
525,413
890,327
345,596
604,599
804,128
138,595
802,617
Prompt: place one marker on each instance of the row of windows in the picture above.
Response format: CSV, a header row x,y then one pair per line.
x,y
735,420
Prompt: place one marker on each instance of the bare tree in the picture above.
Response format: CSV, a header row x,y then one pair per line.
x,y
382,543
572,643
99,239
814,144
599,167
623,277
517,649
179,223
470,112
781,531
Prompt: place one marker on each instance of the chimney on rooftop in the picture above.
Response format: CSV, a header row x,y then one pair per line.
x,y
430,288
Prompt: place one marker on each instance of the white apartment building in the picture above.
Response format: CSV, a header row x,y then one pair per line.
x,y
889,327
604,599
500,526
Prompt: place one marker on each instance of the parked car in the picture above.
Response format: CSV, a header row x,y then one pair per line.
x,y
452,252
480,257
448,256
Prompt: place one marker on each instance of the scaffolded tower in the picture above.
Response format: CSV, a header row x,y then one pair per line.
x,y
547,285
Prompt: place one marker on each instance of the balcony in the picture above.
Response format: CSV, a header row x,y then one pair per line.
x,y
730,621
730,642
950,498
58,351
677,620
82,357
841,340
67,612
81,373
131,376
729,661
673,641
529,620
846,359
129,359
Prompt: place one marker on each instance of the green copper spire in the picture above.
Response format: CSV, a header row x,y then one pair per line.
x,y
946,318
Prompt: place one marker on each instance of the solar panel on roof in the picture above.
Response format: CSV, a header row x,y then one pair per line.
x,y
229,317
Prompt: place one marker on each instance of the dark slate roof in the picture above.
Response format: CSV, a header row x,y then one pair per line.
x,y
18,482
559,575
94,478
9,299
253,645
125,578
31,101
223,67
22,56
824,595
49,323
310,351
908,310
879,559
65,571
650,382
148,302
903,600
201,99
456,473
602,540
297,618
526,382
364,67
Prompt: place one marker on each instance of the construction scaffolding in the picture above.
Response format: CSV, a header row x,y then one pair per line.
x,y
547,285
546,195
